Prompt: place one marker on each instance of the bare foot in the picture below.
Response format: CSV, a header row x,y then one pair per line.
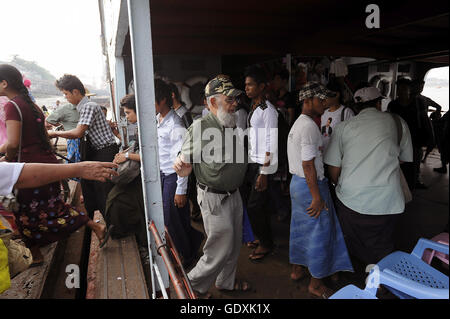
x,y
98,229
259,253
253,244
297,272
205,295
239,285
318,289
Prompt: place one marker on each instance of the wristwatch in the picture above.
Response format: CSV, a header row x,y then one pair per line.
x,y
127,155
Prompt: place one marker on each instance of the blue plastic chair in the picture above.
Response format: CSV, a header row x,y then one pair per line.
x,y
405,275
353,292
416,279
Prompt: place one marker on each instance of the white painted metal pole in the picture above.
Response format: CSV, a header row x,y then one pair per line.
x,y
142,55
160,281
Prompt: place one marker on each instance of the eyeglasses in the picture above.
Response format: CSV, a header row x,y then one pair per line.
x,y
237,99
230,100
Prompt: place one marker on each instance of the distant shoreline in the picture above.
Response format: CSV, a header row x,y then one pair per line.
x,y
50,100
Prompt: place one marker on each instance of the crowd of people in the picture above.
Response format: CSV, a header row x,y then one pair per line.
x,y
42,217
334,169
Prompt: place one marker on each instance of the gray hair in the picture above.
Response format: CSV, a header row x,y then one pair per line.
x,y
208,99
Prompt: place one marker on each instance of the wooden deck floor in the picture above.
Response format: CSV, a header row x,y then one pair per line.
x,y
115,271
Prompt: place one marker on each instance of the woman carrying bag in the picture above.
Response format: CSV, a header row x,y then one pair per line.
x,y
125,202
42,216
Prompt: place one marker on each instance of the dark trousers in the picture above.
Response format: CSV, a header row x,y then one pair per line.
x,y
280,201
368,237
259,206
125,210
96,193
186,239
192,193
411,170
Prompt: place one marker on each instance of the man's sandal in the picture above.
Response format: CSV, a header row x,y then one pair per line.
x,y
253,244
294,277
327,293
257,257
200,295
239,285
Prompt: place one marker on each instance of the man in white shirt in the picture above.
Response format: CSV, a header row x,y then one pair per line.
x,y
363,158
171,132
316,240
186,117
333,115
263,125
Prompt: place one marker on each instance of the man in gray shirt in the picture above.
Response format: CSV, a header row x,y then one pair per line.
x,y
68,116
363,157
218,194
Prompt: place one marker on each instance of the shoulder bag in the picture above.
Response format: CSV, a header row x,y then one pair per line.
x,y
129,169
9,202
403,183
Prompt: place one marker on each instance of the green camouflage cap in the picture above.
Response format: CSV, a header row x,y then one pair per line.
x,y
221,85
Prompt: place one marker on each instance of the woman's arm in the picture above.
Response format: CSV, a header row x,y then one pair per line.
x,y
120,157
35,174
135,157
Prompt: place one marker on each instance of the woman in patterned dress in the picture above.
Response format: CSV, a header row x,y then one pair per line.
x,y
42,217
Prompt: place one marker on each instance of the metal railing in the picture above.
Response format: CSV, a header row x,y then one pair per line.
x,y
174,266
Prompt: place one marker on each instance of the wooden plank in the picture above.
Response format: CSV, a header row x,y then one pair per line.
x,y
115,271
30,283
113,265
136,286
95,266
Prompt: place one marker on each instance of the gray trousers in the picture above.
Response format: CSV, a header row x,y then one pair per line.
x,y
222,219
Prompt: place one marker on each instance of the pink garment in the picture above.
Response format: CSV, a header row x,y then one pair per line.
x,y
3,137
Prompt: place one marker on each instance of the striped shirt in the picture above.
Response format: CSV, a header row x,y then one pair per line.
x,y
99,131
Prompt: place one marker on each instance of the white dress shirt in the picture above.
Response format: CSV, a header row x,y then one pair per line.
x,y
263,136
171,132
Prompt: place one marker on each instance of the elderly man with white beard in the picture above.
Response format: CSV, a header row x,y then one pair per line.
x,y
219,174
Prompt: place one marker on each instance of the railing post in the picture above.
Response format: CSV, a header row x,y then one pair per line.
x,y
142,57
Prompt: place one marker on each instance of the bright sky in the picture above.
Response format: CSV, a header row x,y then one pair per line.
x,y
438,73
439,93
63,36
